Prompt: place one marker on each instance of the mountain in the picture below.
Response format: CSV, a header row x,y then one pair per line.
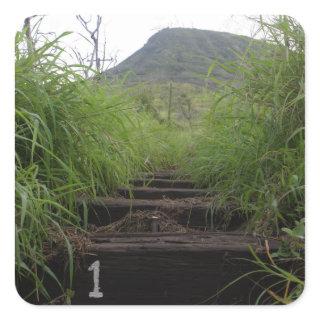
x,y
181,55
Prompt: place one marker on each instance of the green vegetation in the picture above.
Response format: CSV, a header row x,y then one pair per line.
x,y
86,137
188,102
251,146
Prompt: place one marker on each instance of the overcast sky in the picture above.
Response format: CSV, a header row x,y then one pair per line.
x,y
127,33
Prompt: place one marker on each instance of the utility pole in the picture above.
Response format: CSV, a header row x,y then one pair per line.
x,y
170,102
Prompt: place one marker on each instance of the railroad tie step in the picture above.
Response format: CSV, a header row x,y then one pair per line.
x,y
163,183
160,193
161,268
168,174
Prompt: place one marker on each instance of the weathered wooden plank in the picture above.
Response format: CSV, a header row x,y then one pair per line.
x,y
160,193
167,268
163,183
200,241
166,174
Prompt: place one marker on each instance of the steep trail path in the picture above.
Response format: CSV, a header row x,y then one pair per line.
x,y
162,192
154,266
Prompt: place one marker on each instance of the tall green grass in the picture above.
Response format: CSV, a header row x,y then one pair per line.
x,y
166,145
250,150
73,137
251,147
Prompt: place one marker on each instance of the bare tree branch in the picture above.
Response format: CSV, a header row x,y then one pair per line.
x,y
32,30
27,28
96,59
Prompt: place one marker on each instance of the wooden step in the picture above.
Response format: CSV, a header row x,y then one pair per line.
x,y
167,268
169,174
188,212
163,183
160,193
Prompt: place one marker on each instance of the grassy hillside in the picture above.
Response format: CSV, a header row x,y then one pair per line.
x,y
181,55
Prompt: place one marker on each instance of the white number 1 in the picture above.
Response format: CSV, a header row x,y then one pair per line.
x,y
95,267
